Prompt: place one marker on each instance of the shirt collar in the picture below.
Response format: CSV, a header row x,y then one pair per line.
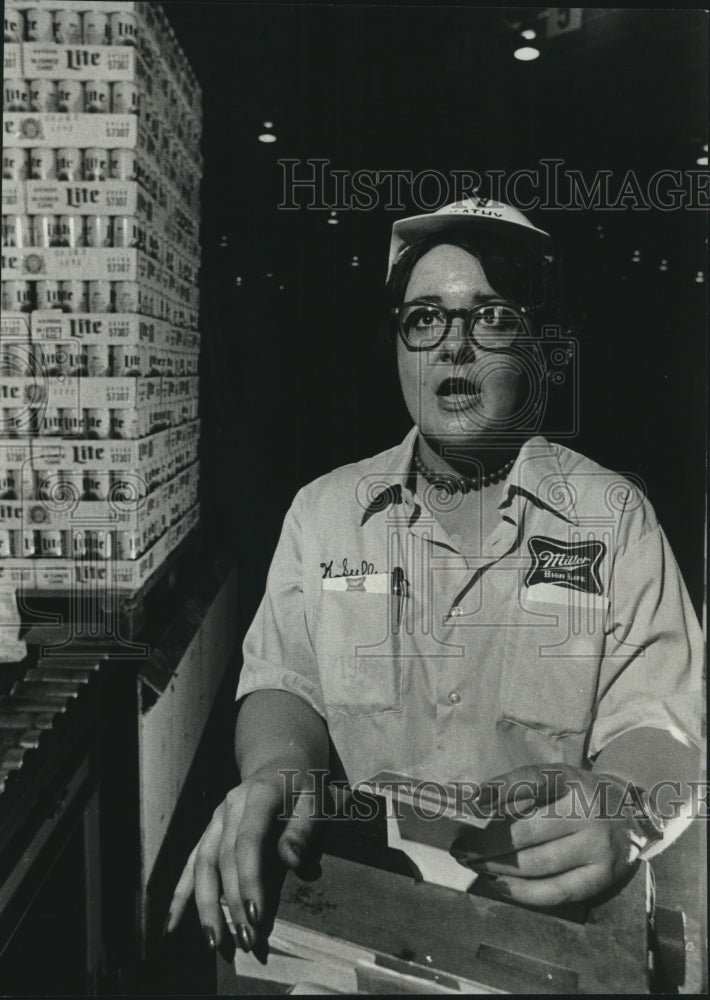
x,y
397,478
536,475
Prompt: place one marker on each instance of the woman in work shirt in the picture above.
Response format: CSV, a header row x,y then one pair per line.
x,y
473,605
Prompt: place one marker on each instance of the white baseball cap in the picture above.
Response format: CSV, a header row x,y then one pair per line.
x,y
469,215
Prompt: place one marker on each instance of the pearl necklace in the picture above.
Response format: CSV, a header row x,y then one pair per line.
x,y
454,483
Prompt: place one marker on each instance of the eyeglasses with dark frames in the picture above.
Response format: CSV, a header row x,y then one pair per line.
x,y
493,325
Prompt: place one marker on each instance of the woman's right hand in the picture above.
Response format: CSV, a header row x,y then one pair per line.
x,y
243,854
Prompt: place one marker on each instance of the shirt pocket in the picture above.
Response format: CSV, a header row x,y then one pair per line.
x,y
551,655
359,674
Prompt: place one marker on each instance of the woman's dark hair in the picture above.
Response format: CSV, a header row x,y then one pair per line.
x,y
515,272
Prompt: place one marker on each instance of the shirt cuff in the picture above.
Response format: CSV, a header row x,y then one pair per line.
x,y
263,676
653,760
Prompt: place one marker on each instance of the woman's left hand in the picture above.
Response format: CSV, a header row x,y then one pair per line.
x,y
559,834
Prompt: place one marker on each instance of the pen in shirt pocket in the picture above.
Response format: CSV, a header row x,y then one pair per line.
x,y
399,596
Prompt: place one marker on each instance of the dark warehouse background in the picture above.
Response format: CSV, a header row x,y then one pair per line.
x,y
297,377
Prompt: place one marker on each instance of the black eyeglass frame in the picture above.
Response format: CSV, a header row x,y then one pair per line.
x,y
466,314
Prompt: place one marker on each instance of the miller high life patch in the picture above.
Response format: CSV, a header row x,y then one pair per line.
x,y
568,564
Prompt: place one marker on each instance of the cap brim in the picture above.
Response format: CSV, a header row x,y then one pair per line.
x,y
418,227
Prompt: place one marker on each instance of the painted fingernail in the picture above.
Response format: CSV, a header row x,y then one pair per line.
x,y
502,888
261,952
251,912
243,937
210,937
166,926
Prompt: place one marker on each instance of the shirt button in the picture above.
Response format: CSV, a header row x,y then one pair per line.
x,y
454,698
456,611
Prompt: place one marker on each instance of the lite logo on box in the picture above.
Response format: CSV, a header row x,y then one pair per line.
x,y
568,564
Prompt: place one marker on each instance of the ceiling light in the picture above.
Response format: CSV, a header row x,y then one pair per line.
x,y
268,124
526,53
267,137
333,220
528,34
702,161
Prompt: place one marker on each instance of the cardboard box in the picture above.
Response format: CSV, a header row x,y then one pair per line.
x,y
149,519
38,515
131,505
105,328
157,402
107,6
109,197
177,532
131,410
155,37
12,61
17,573
16,352
94,574
41,60
16,472
13,197
80,391
89,330
177,350
109,453
110,574
14,327
78,264
175,316
33,129
106,264
18,391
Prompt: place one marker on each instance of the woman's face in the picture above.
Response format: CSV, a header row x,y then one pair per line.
x,y
456,392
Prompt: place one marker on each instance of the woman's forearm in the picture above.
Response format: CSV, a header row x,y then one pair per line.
x,y
277,730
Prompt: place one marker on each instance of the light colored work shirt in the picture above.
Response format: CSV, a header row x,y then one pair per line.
x,y
570,626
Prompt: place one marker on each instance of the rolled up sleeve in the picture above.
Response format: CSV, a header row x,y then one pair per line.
x,y
278,653
651,672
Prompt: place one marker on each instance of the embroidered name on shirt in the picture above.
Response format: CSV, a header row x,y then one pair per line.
x,y
364,568
568,564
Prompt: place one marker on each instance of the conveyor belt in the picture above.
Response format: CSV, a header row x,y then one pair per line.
x,y
43,719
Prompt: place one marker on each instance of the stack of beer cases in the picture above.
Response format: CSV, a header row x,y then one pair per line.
x,y
99,338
